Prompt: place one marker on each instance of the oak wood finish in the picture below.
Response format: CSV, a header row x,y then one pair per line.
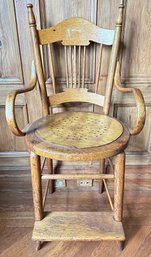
x,y
15,66
78,176
70,32
51,67
38,61
36,185
113,59
66,138
99,69
79,226
119,186
50,171
49,184
16,225
141,111
57,129
102,170
69,152
76,95
10,104
108,194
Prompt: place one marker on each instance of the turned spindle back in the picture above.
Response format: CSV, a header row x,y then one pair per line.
x,y
75,35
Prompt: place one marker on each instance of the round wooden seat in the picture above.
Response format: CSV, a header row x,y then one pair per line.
x,y
77,136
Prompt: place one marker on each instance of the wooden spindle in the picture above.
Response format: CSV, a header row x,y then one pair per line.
x,y
108,194
111,165
66,64
79,66
71,77
99,68
83,68
75,68
43,164
51,67
50,171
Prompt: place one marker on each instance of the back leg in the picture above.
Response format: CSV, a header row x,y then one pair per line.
x,y
38,245
50,171
102,171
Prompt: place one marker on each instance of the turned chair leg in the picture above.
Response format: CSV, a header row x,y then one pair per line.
x,y
119,189
38,245
37,190
102,169
50,171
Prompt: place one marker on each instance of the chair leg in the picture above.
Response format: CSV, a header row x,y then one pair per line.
x,y
38,245
119,173
102,169
120,245
50,171
119,186
36,185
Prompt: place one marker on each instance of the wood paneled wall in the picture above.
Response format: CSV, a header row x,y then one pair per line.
x,y
16,56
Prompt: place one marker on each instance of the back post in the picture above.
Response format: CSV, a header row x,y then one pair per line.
x,y
38,61
113,58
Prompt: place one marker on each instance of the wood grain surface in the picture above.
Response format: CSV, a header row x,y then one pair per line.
x,y
141,110
76,95
81,226
15,72
76,31
72,129
17,219
44,147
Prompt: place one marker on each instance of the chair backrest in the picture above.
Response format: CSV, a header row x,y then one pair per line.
x,y
75,35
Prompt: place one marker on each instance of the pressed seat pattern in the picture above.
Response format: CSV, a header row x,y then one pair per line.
x,y
78,129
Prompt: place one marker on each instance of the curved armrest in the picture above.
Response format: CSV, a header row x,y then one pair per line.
x,y
141,110
10,104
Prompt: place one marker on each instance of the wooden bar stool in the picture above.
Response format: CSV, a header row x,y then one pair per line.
x,y
76,135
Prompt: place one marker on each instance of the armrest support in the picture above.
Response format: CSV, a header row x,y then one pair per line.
x,y
141,110
10,104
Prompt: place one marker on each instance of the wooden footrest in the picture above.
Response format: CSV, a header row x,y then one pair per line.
x,y
82,226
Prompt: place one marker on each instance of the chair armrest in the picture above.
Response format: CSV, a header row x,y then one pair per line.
x,y
141,110
10,104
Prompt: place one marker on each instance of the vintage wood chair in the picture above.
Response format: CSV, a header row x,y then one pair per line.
x,y
76,136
